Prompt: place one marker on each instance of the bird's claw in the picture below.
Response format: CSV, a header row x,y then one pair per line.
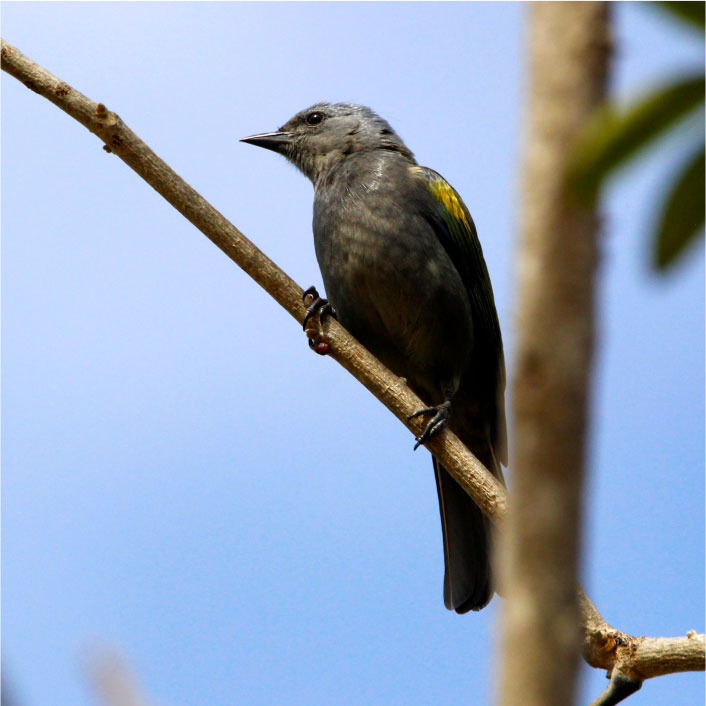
x,y
436,423
317,308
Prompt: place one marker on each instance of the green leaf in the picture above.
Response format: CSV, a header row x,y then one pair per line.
x,y
612,136
692,12
682,214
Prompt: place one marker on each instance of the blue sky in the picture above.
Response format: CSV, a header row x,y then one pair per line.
x,y
183,479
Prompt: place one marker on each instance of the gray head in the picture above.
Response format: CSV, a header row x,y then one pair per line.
x,y
322,136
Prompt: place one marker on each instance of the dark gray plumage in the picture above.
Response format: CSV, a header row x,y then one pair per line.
x,y
404,270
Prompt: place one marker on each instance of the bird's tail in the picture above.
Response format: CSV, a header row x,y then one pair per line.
x,y
467,533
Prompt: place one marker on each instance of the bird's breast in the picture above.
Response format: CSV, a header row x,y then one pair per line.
x,y
392,283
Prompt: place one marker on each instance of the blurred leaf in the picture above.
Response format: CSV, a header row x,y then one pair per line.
x,y
692,12
682,214
613,135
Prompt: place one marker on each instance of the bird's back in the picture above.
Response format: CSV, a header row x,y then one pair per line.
x,y
400,284
386,272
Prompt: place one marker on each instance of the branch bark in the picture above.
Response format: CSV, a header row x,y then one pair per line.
x,y
599,646
390,390
113,681
630,659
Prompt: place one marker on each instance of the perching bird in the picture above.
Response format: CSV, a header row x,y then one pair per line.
x,y
404,270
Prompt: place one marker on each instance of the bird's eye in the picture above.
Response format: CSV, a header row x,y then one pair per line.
x,y
314,118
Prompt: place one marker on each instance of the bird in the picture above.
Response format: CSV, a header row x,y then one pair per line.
x,y
404,273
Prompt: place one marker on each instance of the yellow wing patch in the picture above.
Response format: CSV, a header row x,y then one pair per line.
x,y
447,196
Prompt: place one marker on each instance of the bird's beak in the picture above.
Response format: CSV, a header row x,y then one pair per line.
x,y
274,141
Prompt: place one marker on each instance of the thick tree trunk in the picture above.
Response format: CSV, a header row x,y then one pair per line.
x,y
541,637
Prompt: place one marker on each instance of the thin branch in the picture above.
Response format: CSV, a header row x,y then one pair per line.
x,y
619,688
113,681
637,657
389,389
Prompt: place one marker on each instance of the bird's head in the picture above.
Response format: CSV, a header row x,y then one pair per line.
x,y
322,136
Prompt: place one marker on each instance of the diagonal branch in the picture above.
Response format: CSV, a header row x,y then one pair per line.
x,y
390,390
602,644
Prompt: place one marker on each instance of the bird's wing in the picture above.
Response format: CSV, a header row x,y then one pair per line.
x,y
456,231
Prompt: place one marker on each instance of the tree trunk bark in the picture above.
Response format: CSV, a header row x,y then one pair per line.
x,y
539,553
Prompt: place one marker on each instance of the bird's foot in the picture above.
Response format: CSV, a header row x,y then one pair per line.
x,y
316,309
440,419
